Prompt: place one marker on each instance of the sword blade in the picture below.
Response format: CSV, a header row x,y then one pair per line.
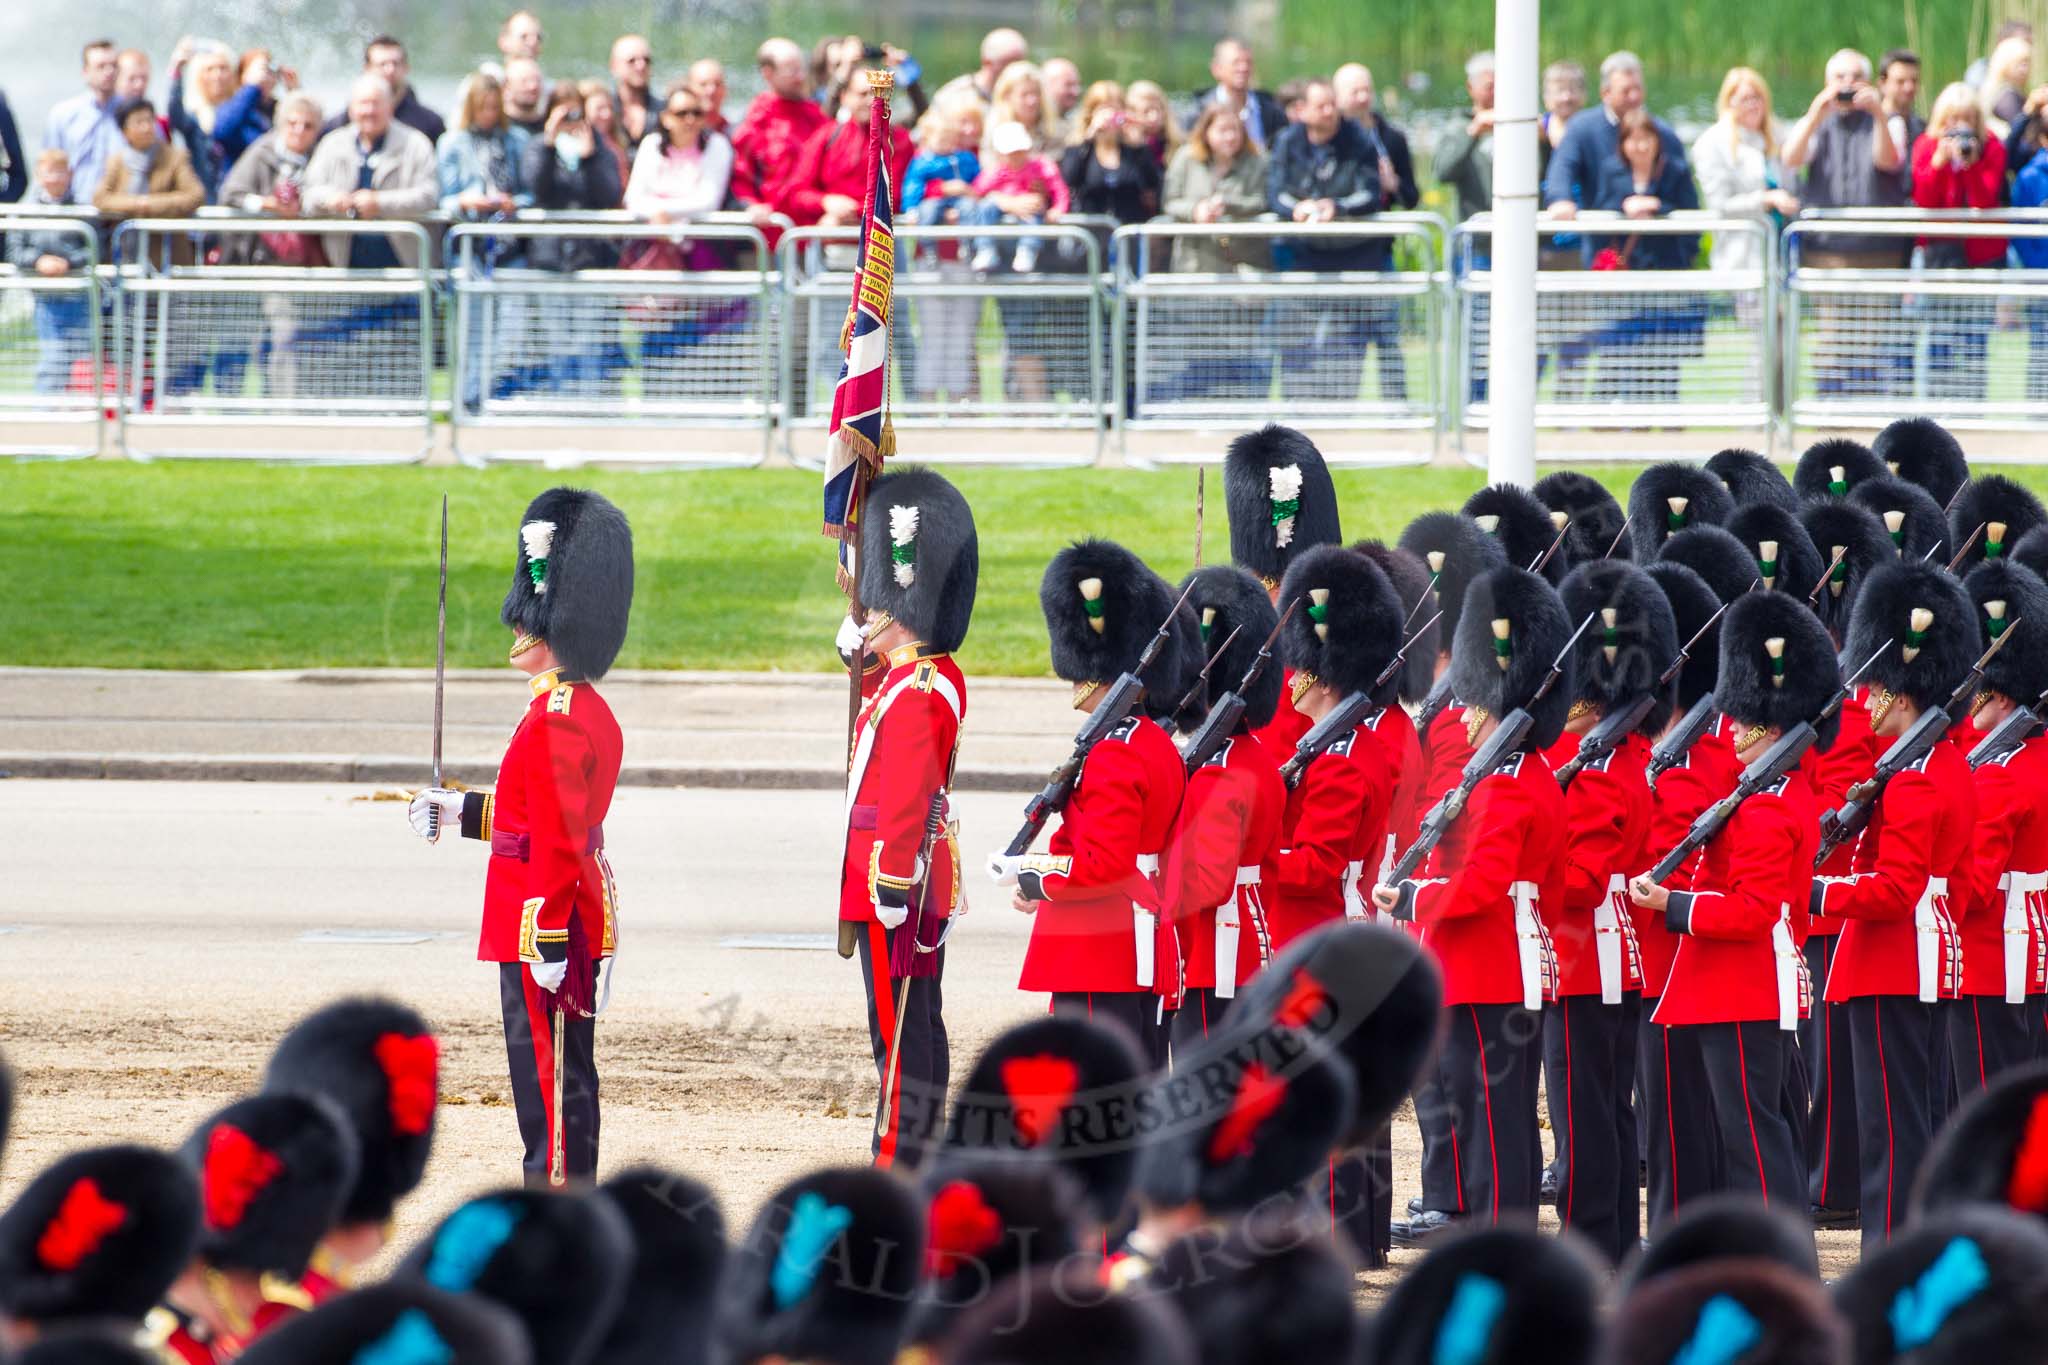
x,y
441,643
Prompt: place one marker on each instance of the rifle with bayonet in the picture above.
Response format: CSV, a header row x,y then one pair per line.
x,y
1347,715
1222,721
1839,826
1508,736
2016,729
1779,759
1116,705
1439,695
1601,740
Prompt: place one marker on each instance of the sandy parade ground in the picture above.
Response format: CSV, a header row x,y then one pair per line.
x,y
157,937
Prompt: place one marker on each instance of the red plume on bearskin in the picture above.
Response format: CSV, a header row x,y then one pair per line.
x,y
412,1067
962,1227
1039,1088
1306,998
2028,1187
236,1170
1259,1094
83,1221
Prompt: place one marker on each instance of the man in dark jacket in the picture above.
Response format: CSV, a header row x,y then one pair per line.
x,y
1231,64
1594,134
1323,169
1355,101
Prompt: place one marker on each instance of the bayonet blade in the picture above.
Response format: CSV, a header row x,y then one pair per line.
x,y
441,644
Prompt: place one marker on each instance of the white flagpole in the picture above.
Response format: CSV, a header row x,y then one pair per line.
x,y
1511,373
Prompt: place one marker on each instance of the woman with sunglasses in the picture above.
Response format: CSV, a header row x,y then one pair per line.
x,y
682,174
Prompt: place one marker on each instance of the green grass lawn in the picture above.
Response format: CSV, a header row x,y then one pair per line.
x,y
245,566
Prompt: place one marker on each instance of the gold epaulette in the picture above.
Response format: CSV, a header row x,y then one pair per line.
x,y
558,700
286,1292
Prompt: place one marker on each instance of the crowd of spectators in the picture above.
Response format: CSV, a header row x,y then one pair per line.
x,y
1018,143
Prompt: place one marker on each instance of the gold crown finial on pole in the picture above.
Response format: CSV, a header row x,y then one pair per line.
x,y
881,82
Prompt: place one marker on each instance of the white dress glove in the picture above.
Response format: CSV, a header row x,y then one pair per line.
x,y
1003,867
891,916
548,975
433,810
849,637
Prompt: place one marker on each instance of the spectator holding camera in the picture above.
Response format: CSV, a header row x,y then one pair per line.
x,y
1109,170
1956,165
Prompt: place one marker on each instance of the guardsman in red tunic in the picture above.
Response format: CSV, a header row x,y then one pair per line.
x,y
1094,898
899,882
550,904
1453,551
1392,723
2005,955
1851,539
1229,825
1738,985
1282,504
273,1172
1900,954
1480,899
1589,1038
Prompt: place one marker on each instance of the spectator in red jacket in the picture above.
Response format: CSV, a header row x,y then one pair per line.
x,y
775,127
828,182
1957,166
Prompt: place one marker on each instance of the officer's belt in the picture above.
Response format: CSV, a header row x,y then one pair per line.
x,y
507,844
866,817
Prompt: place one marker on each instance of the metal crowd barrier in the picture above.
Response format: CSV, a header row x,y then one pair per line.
x,y
277,353
1884,318
577,342
1018,357
1622,350
1286,325
51,382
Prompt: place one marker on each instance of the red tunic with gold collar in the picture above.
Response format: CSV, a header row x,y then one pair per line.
x,y
1395,729
545,824
1850,759
904,743
2005,938
1229,828
1333,815
1708,772
1607,828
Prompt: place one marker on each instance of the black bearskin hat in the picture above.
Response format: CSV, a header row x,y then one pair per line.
x,y
1252,1115
1366,992
98,1235
2006,510
396,1320
1961,1285
1994,1148
1836,524
2006,594
1271,1287
1778,666
1103,608
557,1261
1456,551
1228,599
1751,479
1066,1313
2032,551
1670,497
1830,468
1280,498
1921,451
1778,547
1349,625
1513,628
986,1220
1751,1310
1493,1295
1523,525
1693,604
380,1063
1631,644
1931,623
678,1256
572,579
1913,520
1419,617
919,558
273,1173
829,1270
1032,1074
98,1344
1722,1227
1715,555
1593,518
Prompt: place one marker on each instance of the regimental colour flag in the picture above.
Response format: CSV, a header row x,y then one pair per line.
x,y
860,436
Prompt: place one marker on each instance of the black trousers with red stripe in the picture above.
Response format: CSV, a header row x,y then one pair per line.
x,y
1488,1071
1986,1036
1361,1199
1745,1065
1671,1093
1135,1012
530,1052
1895,1038
917,1109
1832,1179
1201,1011
1589,1053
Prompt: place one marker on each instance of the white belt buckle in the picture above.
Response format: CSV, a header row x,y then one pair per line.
x,y
1790,966
1145,927
1532,945
1928,934
1607,944
1354,903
